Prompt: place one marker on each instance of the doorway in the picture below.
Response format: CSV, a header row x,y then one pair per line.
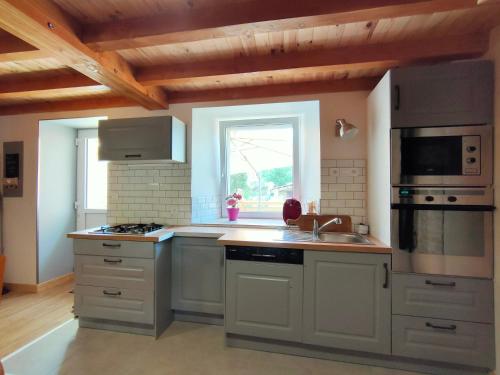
x,y
71,189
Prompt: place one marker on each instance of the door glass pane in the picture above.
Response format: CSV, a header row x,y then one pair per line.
x,y
431,156
464,233
96,178
260,166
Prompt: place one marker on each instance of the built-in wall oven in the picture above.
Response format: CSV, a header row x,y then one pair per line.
x,y
441,230
442,156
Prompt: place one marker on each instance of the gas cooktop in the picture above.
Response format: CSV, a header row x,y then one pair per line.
x,y
130,229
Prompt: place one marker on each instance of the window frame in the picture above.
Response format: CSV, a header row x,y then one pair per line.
x,y
225,125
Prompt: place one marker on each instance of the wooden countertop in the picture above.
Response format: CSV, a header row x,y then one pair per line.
x,y
239,237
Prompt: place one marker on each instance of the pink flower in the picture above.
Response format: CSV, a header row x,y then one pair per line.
x,y
232,202
237,196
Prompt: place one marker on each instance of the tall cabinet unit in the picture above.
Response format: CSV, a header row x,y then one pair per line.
x,y
445,319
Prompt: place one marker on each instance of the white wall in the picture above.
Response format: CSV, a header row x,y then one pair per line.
x,y
494,54
56,198
20,213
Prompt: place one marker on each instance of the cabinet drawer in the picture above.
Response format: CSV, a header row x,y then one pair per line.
x,y
131,249
443,297
443,340
119,272
125,305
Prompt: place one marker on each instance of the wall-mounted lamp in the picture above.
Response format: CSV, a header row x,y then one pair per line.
x,y
345,130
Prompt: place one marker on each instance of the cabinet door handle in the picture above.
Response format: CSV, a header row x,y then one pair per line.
x,y
434,283
105,292
133,155
397,97
386,280
111,245
451,327
264,255
112,260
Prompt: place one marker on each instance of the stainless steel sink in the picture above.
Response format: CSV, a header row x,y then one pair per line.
x,y
330,237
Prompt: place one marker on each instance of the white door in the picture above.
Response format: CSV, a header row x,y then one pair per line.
x,y
92,182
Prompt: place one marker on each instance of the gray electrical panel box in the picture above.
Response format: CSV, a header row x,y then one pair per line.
x,y
12,180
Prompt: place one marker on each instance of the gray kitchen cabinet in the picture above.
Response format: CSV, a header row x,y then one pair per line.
x,y
142,139
446,94
197,275
441,340
264,299
347,301
443,297
123,285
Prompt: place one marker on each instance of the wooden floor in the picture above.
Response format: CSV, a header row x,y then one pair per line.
x,y
26,316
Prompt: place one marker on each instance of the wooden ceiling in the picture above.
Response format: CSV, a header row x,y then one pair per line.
x,y
74,54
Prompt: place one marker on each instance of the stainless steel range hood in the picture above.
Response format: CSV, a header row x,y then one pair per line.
x,y
142,140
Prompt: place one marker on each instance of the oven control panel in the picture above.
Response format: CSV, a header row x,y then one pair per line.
x,y
471,155
440,196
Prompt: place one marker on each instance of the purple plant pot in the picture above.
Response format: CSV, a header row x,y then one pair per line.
x,y
232,213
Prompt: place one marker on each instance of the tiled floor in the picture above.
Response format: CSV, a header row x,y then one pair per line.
x,y
186,349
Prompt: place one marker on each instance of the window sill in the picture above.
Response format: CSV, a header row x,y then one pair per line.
x,y
245,222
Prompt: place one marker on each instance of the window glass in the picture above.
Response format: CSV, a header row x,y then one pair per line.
x,y
260,166
96,178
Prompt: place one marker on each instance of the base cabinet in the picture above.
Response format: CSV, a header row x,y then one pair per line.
x,y
264,300
198,275
347,301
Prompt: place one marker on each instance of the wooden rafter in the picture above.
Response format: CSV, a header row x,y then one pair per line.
x,y
285,89
44,25
67,105
255,16
13,49
360,57
44,80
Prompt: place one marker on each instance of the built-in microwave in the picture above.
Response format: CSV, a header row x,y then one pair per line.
x,y
442,156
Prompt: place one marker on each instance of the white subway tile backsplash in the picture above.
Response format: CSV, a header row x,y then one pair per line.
x,y
343,188
149,193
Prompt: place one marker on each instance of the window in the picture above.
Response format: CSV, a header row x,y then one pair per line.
x,y
96,177
260,162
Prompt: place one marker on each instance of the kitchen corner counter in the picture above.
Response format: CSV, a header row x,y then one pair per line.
x,y
238,237
157,236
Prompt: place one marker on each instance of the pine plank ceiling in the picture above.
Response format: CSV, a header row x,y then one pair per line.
x,y
75,54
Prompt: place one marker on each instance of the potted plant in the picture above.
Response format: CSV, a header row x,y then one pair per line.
x,y
232,206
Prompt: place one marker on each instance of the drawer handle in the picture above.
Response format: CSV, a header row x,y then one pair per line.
x,y
264,255
386,281
451,327
111,245
451,284
114,261
111,293
133,155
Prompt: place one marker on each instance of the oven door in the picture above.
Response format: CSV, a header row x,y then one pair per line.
x,y
454,156
442,240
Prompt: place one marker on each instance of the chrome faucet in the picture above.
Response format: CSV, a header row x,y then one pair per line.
x,y
317,230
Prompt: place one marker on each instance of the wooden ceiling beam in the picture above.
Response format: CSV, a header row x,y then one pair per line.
x,y
44,25
255,16
354,57
44,80
67,105
284,89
